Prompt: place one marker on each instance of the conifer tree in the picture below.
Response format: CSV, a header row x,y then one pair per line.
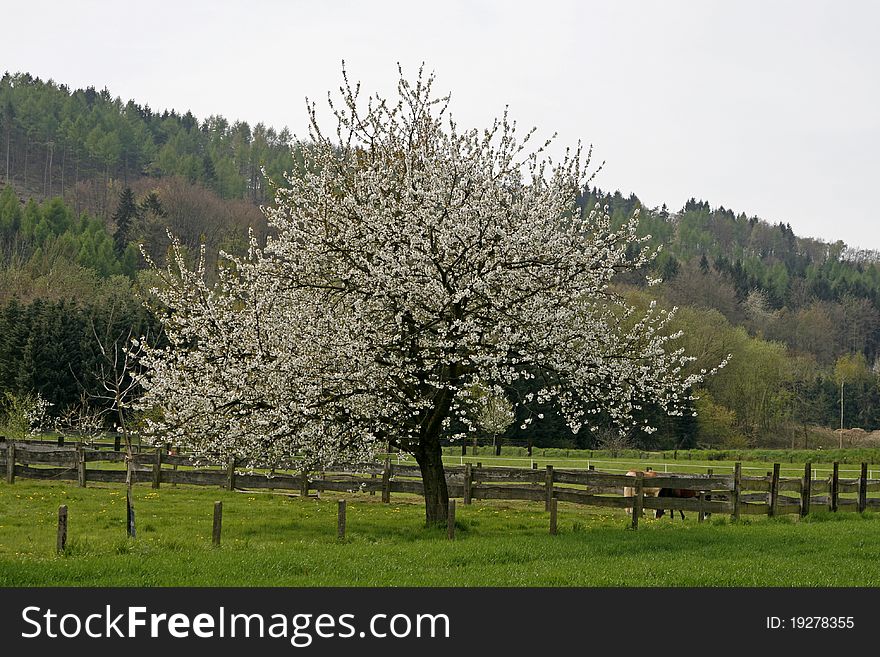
x,y
126,213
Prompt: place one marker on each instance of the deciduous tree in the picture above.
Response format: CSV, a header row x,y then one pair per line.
x,y
410,261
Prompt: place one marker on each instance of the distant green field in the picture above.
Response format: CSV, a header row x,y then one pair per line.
x,y
279,540
754,462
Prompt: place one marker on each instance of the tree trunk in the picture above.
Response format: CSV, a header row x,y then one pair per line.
x,y
51,158
430,459
130,528
46,173
429,456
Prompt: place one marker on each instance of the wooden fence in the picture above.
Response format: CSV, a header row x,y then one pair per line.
x,y
733,494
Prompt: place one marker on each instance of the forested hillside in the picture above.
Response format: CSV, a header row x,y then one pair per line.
x,y
799,315
87,178
56,138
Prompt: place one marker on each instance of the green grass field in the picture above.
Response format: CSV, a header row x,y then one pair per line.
x,y
276,540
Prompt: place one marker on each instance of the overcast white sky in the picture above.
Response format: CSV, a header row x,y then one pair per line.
x,y
768,107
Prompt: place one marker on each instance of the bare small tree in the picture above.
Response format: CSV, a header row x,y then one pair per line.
x,y
119,385
117,375
614,441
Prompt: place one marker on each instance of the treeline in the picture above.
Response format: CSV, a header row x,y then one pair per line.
x,y
35,235
69,300
801,318
64,349
53,138
749,254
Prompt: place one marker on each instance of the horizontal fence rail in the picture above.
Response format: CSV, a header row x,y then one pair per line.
x,y
735,494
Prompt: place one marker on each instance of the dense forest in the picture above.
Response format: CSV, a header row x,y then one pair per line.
x,y
87,178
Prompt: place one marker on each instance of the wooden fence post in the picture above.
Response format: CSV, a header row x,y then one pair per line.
x,y
373,490
386,482
340,520
835,483
638,499
774,491
80,466
701,515
450,521
157,468
230,473
10,462
553,517
705,514
737,487
61,542
117,443
548,484
468,483
218,523
863,488
175,452
806,489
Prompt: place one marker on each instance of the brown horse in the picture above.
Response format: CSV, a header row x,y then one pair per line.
x,y
681,493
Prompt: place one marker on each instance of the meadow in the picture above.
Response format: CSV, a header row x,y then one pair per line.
x,y
754,462
281,540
